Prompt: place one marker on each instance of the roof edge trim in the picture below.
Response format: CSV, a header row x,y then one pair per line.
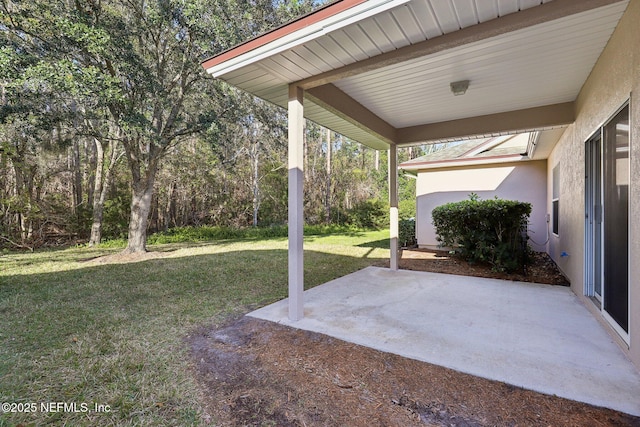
x,y
321,22
435,164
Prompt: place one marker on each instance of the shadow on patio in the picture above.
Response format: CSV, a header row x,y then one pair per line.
x,y
538,337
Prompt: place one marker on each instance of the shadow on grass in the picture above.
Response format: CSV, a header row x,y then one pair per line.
x,y
376,244
373,245
45,309
103,312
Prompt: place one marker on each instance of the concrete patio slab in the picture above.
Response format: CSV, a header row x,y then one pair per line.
x,y
538,337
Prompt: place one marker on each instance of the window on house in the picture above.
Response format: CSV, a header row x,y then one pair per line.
x,y
555,200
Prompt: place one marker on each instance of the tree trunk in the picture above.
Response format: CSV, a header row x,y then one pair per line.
x,y
90,171
255,159
169,211
101,188
327,204
77,176
96,226
142,182
141,196
24,196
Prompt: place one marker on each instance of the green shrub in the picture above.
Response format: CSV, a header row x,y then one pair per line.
x,y
407,208
369,214
407,232
490,231
115,222
204,234
208,233
326,229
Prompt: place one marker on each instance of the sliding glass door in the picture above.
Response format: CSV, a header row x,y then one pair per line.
x,y
593,217
607,219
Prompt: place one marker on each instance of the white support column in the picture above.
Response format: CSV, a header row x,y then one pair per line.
x,y
296,195
393,203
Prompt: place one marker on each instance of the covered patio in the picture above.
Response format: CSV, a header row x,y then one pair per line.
x,y
395,73
523,334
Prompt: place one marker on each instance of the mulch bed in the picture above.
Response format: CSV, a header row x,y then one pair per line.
x,y
541,268
258,373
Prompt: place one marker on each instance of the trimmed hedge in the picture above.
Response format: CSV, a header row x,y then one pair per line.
x,y
407,233
486,231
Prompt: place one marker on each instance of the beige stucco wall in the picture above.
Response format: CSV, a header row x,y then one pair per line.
x,y
614,80
524,181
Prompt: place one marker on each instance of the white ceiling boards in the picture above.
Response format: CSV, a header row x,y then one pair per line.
x,y
379,71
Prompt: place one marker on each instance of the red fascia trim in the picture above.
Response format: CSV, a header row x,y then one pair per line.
x,y
312,18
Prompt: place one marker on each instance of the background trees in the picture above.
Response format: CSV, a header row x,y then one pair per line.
x,y
109,126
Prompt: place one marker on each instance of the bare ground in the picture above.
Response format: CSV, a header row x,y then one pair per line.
x,y
258,373
541,269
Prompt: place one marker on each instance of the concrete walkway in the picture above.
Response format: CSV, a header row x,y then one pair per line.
x,y
538,337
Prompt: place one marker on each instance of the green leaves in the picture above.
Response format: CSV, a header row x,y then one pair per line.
x,y
489,231
407,232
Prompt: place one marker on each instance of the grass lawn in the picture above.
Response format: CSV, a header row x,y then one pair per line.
x,y
81,332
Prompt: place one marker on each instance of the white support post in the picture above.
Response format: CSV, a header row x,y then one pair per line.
x,y
393,203
296,194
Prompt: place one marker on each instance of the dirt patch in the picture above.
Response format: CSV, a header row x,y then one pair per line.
x,y
126,258
257,373
541,268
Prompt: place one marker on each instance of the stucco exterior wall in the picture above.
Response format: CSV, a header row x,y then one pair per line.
x,y
613,81
524,181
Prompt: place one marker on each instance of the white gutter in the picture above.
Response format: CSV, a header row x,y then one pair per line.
x,y
304,35
534,137
510,158
488,145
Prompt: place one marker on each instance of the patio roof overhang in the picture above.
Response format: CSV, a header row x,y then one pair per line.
x,y
378,71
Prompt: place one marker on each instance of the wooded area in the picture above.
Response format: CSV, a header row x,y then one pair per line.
x,y
110,128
